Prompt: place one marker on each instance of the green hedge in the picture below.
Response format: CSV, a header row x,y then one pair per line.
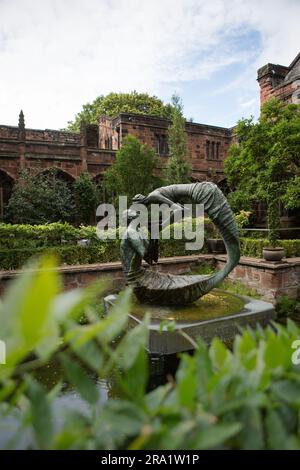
x,y
104,252
254,247
14,236
18,243
36,236
72,254
108,251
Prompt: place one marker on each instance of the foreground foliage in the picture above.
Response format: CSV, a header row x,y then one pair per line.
x,y
247,398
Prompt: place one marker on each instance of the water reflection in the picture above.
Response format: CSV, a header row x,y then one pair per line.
x,y
161,368
215,304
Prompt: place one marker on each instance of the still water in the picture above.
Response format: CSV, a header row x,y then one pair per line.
x,y
215,304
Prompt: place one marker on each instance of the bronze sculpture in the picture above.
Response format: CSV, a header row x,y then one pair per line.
x,y
167,289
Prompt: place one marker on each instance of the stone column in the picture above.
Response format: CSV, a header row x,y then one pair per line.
x,y
83,146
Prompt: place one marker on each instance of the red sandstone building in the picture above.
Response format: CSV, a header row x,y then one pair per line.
x,y
94,148
280,81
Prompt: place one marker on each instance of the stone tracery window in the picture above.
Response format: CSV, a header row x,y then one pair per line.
x,y
161,144
212,150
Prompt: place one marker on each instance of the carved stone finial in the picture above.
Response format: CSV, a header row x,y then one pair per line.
x,y
21,121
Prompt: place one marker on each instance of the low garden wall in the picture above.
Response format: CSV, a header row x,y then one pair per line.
x,y
83,275
270,280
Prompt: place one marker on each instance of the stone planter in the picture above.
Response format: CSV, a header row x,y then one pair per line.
x,y
273,254
216,245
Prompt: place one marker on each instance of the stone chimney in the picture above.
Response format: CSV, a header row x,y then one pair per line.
x,y
269,77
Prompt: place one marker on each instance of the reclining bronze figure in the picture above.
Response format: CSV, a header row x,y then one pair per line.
x,y
167,289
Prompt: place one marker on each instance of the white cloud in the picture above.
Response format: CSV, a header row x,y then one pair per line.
x,y
248,103
57,54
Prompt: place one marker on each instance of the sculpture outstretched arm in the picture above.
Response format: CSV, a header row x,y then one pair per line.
x,y
155,197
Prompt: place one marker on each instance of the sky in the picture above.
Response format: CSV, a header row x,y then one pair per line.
x,y
56,55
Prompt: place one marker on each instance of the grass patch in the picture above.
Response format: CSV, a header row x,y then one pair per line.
x,y
204,268
237,287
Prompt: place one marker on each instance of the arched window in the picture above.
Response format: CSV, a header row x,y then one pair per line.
x,y
161,144
58,173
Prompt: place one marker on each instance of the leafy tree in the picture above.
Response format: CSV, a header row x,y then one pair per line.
x,y
116,103
292,196
264,165
178,168
133,171
40,199
86,196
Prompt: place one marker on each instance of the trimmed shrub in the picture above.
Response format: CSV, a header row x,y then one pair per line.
x,y
18,243
292,247
254,247
104,252
56,234
30,236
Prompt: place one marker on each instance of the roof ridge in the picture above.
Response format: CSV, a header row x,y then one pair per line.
x,y
294,61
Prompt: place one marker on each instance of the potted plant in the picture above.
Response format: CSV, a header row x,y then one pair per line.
x,y
273,252
215,243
